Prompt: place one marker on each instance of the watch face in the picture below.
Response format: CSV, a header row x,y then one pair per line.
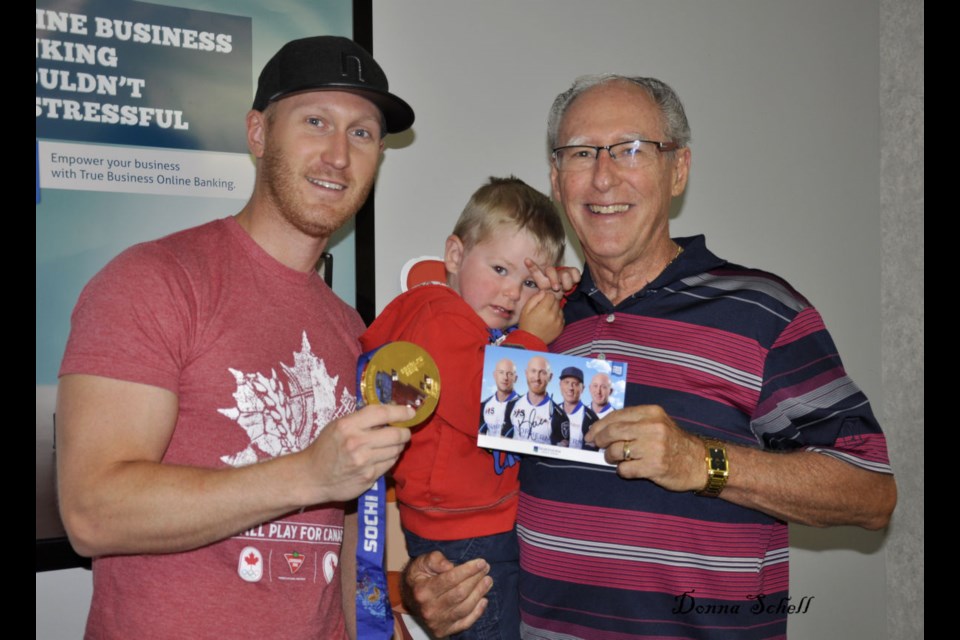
x,y
718,461
402,373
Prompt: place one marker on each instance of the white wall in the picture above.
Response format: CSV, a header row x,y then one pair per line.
x,y
902,295
63,599
782,97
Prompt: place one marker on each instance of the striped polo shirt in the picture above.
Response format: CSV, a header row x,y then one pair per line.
x,y
728,352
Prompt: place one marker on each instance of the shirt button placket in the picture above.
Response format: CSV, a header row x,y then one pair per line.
x,y
602,322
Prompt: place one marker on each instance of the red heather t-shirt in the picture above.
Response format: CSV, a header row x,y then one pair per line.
x,y
261,358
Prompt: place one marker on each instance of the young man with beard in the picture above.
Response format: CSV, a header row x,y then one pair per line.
x,y
207,436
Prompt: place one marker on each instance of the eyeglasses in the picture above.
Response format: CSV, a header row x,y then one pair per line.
x,y
629,155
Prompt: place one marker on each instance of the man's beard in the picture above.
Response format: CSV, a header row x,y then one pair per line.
x,y
281,183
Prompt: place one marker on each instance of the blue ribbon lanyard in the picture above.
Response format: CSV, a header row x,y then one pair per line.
x,y
374,614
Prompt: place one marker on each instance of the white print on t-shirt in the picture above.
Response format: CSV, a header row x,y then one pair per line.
x,y
282,416
330,562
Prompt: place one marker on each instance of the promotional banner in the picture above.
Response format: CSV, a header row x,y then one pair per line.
x,y
139,74
140,127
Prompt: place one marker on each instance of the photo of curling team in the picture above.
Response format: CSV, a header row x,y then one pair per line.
x,y
545,403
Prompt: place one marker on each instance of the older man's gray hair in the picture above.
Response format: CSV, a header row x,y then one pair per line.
x,y
677,129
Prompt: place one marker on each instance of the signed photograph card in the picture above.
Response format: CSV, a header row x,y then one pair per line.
x,y
544,404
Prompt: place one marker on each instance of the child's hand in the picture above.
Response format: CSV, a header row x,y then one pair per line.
x,y
542,317
559,280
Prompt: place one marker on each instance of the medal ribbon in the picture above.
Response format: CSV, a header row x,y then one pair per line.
x,y
374,614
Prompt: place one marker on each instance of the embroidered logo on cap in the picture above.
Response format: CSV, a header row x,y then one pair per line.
x,y
350,67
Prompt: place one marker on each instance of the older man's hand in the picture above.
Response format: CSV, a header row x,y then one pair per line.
x,y
645,443
447,597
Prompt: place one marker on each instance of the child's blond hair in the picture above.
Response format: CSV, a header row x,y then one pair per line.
x,y
512,202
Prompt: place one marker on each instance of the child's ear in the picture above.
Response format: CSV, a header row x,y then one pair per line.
x,y
453,254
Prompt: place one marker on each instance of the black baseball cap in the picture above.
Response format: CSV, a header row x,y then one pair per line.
x,y
572,372
330,63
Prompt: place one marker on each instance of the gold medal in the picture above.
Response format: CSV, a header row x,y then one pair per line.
x,y
402,373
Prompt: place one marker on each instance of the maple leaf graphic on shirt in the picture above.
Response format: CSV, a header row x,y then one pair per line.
x,y
284,413
251,559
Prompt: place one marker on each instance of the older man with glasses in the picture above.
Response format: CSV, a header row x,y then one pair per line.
x,y
738,418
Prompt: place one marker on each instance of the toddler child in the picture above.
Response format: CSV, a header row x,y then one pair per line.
x,y
449,495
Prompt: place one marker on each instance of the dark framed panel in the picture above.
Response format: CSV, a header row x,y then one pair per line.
x,y
365,242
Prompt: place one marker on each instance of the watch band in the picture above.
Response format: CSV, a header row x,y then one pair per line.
x,y
718,468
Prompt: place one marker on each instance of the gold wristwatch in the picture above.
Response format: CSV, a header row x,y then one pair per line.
x,y
718,468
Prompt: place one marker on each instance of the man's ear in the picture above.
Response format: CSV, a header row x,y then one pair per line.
x,y
256,132
453,254
681,171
